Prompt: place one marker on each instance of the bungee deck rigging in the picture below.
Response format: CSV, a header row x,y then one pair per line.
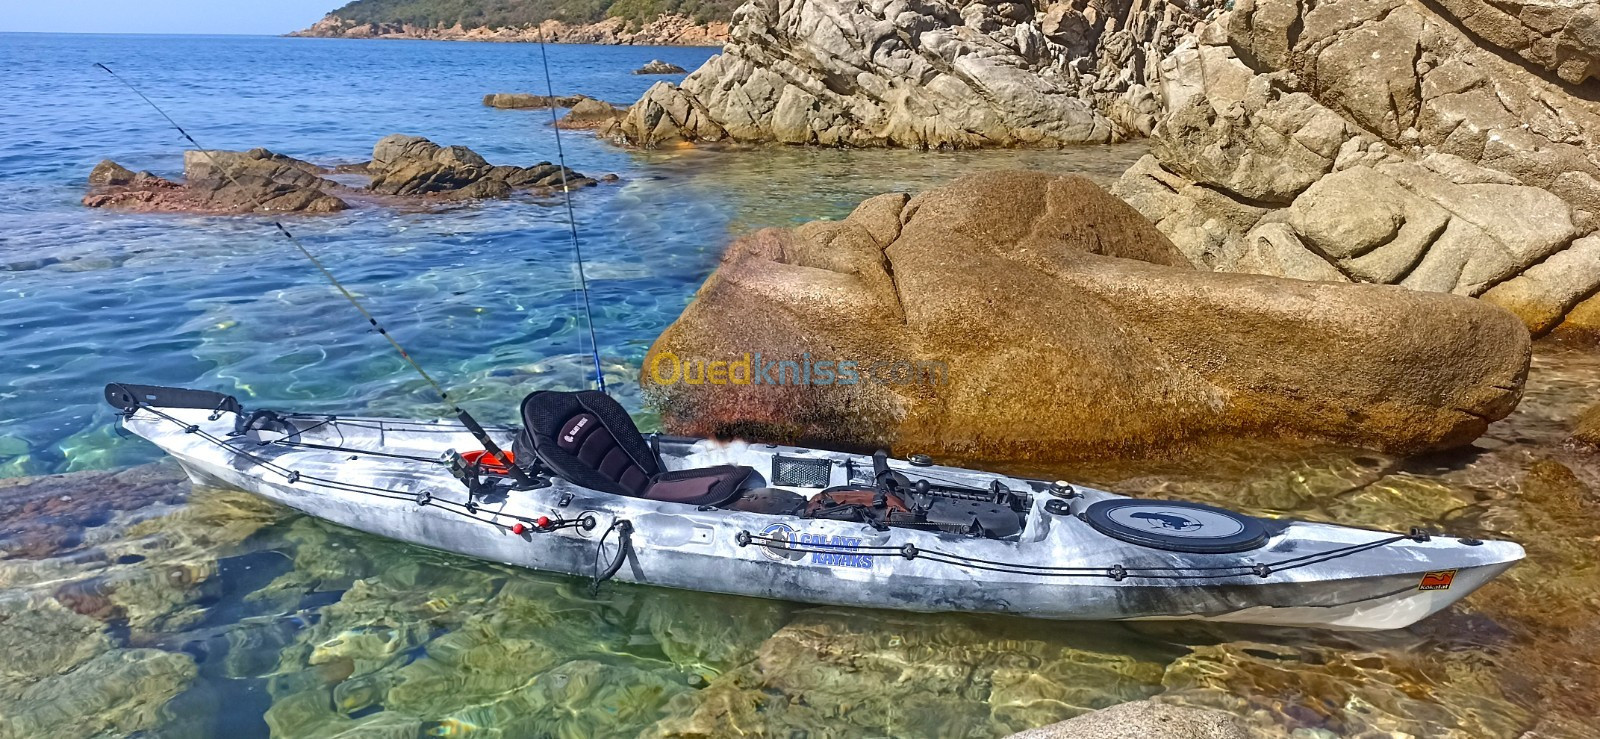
x,y
529,526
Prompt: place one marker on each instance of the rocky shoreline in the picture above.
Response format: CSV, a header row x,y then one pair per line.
x,y
665,30
1448,147
935,74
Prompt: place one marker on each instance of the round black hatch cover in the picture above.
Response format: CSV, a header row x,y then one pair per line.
x,y
1175,526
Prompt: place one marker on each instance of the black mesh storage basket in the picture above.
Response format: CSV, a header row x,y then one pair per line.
x,y
801,472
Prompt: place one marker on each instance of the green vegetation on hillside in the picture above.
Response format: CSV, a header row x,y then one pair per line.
x,y
518,13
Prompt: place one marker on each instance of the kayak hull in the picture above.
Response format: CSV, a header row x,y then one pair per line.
x,y
1059,568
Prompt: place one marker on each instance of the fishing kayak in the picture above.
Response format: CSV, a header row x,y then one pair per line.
x,y
591,496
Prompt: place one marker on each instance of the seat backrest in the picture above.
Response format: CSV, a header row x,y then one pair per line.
x,y
588,439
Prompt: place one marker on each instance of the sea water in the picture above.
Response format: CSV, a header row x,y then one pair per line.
x,y
483,295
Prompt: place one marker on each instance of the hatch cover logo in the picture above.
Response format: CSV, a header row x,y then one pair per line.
x,y
776,551
1440,580
1167,520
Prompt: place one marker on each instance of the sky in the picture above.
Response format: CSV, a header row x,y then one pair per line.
x,y
162,16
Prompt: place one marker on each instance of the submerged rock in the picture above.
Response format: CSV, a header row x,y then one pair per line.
x,y
1445,146
656,66
1143,720
1021,316
1587,428
937,73
412,165
841,672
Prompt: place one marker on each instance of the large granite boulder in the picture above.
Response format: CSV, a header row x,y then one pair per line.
x,y
923,73
1025,316
412,165
254,181
1450,146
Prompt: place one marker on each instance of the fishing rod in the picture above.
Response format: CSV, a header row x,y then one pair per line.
x,y
516,472
572,221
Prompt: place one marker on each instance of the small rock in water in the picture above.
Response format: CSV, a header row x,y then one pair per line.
x,y
523,100
412,165
255,181
656,66
593,114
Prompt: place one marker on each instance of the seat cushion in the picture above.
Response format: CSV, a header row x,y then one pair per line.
x,y
704,486
587,439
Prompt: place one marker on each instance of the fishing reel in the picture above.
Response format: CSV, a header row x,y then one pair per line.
x,y
486,476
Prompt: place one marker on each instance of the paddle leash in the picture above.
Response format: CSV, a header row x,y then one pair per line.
x,y
516,472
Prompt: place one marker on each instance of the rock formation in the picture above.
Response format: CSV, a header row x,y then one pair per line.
x,y
668,29
412,165
255,181
520,100
656,66
1067,327
924,73
403,168
592,114
1447,146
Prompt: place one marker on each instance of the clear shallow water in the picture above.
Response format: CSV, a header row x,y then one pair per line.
x,y
131,605
482,294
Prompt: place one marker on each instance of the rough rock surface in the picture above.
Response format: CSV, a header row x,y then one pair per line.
x,y
519,100
668,29
259,181
1143,720
1068,328
255,181
656,66
923,73
591,114
412,165
1447,146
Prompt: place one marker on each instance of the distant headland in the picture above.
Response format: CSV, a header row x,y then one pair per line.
x,y
623,22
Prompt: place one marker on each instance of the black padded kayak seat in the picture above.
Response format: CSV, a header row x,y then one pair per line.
x,y
587,439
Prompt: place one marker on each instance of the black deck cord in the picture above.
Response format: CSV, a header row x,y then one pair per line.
x,y
1115,572
572,220
458,509
466,419
624,531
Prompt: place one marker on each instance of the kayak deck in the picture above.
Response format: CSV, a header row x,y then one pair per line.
x,y
392,478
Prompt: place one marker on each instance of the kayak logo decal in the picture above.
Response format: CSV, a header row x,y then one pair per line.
x,y
1167,520
1440,580
782,541
842,551
780,552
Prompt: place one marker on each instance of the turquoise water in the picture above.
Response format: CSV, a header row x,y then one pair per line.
x,y
483,295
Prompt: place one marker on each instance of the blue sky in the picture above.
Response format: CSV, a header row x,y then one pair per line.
x,y
163,16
